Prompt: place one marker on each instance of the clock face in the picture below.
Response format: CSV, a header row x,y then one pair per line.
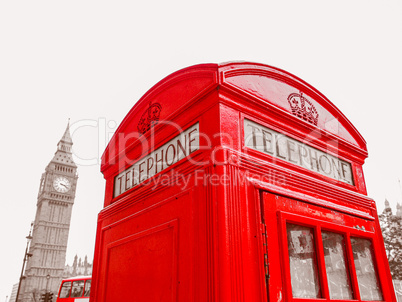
x,y
61,184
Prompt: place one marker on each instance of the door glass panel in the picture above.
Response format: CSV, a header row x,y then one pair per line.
x,y
366,274
303,263
337,273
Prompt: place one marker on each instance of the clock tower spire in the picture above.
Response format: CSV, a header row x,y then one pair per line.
x,y
52,222
65,142
63,155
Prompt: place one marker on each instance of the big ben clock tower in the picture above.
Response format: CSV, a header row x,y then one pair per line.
x,y
52,223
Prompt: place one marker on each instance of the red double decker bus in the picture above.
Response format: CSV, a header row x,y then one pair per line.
x,y
74,289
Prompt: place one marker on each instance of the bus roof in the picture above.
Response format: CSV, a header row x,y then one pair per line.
x,y
77,278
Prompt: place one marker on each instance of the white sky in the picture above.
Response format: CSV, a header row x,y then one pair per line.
x,y
92,60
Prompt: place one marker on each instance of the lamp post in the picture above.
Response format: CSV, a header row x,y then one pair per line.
x,y
47,282
26,256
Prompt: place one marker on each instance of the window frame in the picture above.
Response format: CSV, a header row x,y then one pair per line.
x,y
69,291
318,226
80,294
85,288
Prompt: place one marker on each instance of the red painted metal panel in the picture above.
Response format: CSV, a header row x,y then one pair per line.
x,y
126,260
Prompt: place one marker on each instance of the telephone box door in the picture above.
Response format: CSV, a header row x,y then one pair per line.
x,y
317,253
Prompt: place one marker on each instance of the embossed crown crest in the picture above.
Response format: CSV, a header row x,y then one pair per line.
x,y
149,118
303,108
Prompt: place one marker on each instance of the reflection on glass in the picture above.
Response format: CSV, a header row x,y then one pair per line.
x,y
87,288
65,290
337,273
78,288
365,271
303,264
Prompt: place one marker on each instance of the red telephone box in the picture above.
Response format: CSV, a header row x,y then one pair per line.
x,y
237,182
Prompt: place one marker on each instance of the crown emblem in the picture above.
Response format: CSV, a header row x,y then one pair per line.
x,y
303,108
149,118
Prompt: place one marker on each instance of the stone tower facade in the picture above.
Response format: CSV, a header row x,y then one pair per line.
x,y
56,195
398,210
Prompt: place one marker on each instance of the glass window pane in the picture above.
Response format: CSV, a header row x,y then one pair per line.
x,y
78,288
366,273
65,290
87,288
337,273
303,263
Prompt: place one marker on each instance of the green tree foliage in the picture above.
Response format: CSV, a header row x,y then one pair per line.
x,y
391,227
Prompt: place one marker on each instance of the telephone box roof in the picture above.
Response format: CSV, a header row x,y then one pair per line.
x,y
254,82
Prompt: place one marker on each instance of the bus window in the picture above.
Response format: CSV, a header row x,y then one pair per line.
x,y
75,289
78,288
65,290
87,288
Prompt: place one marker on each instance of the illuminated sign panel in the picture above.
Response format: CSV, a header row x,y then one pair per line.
x,y
162,158
280,146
